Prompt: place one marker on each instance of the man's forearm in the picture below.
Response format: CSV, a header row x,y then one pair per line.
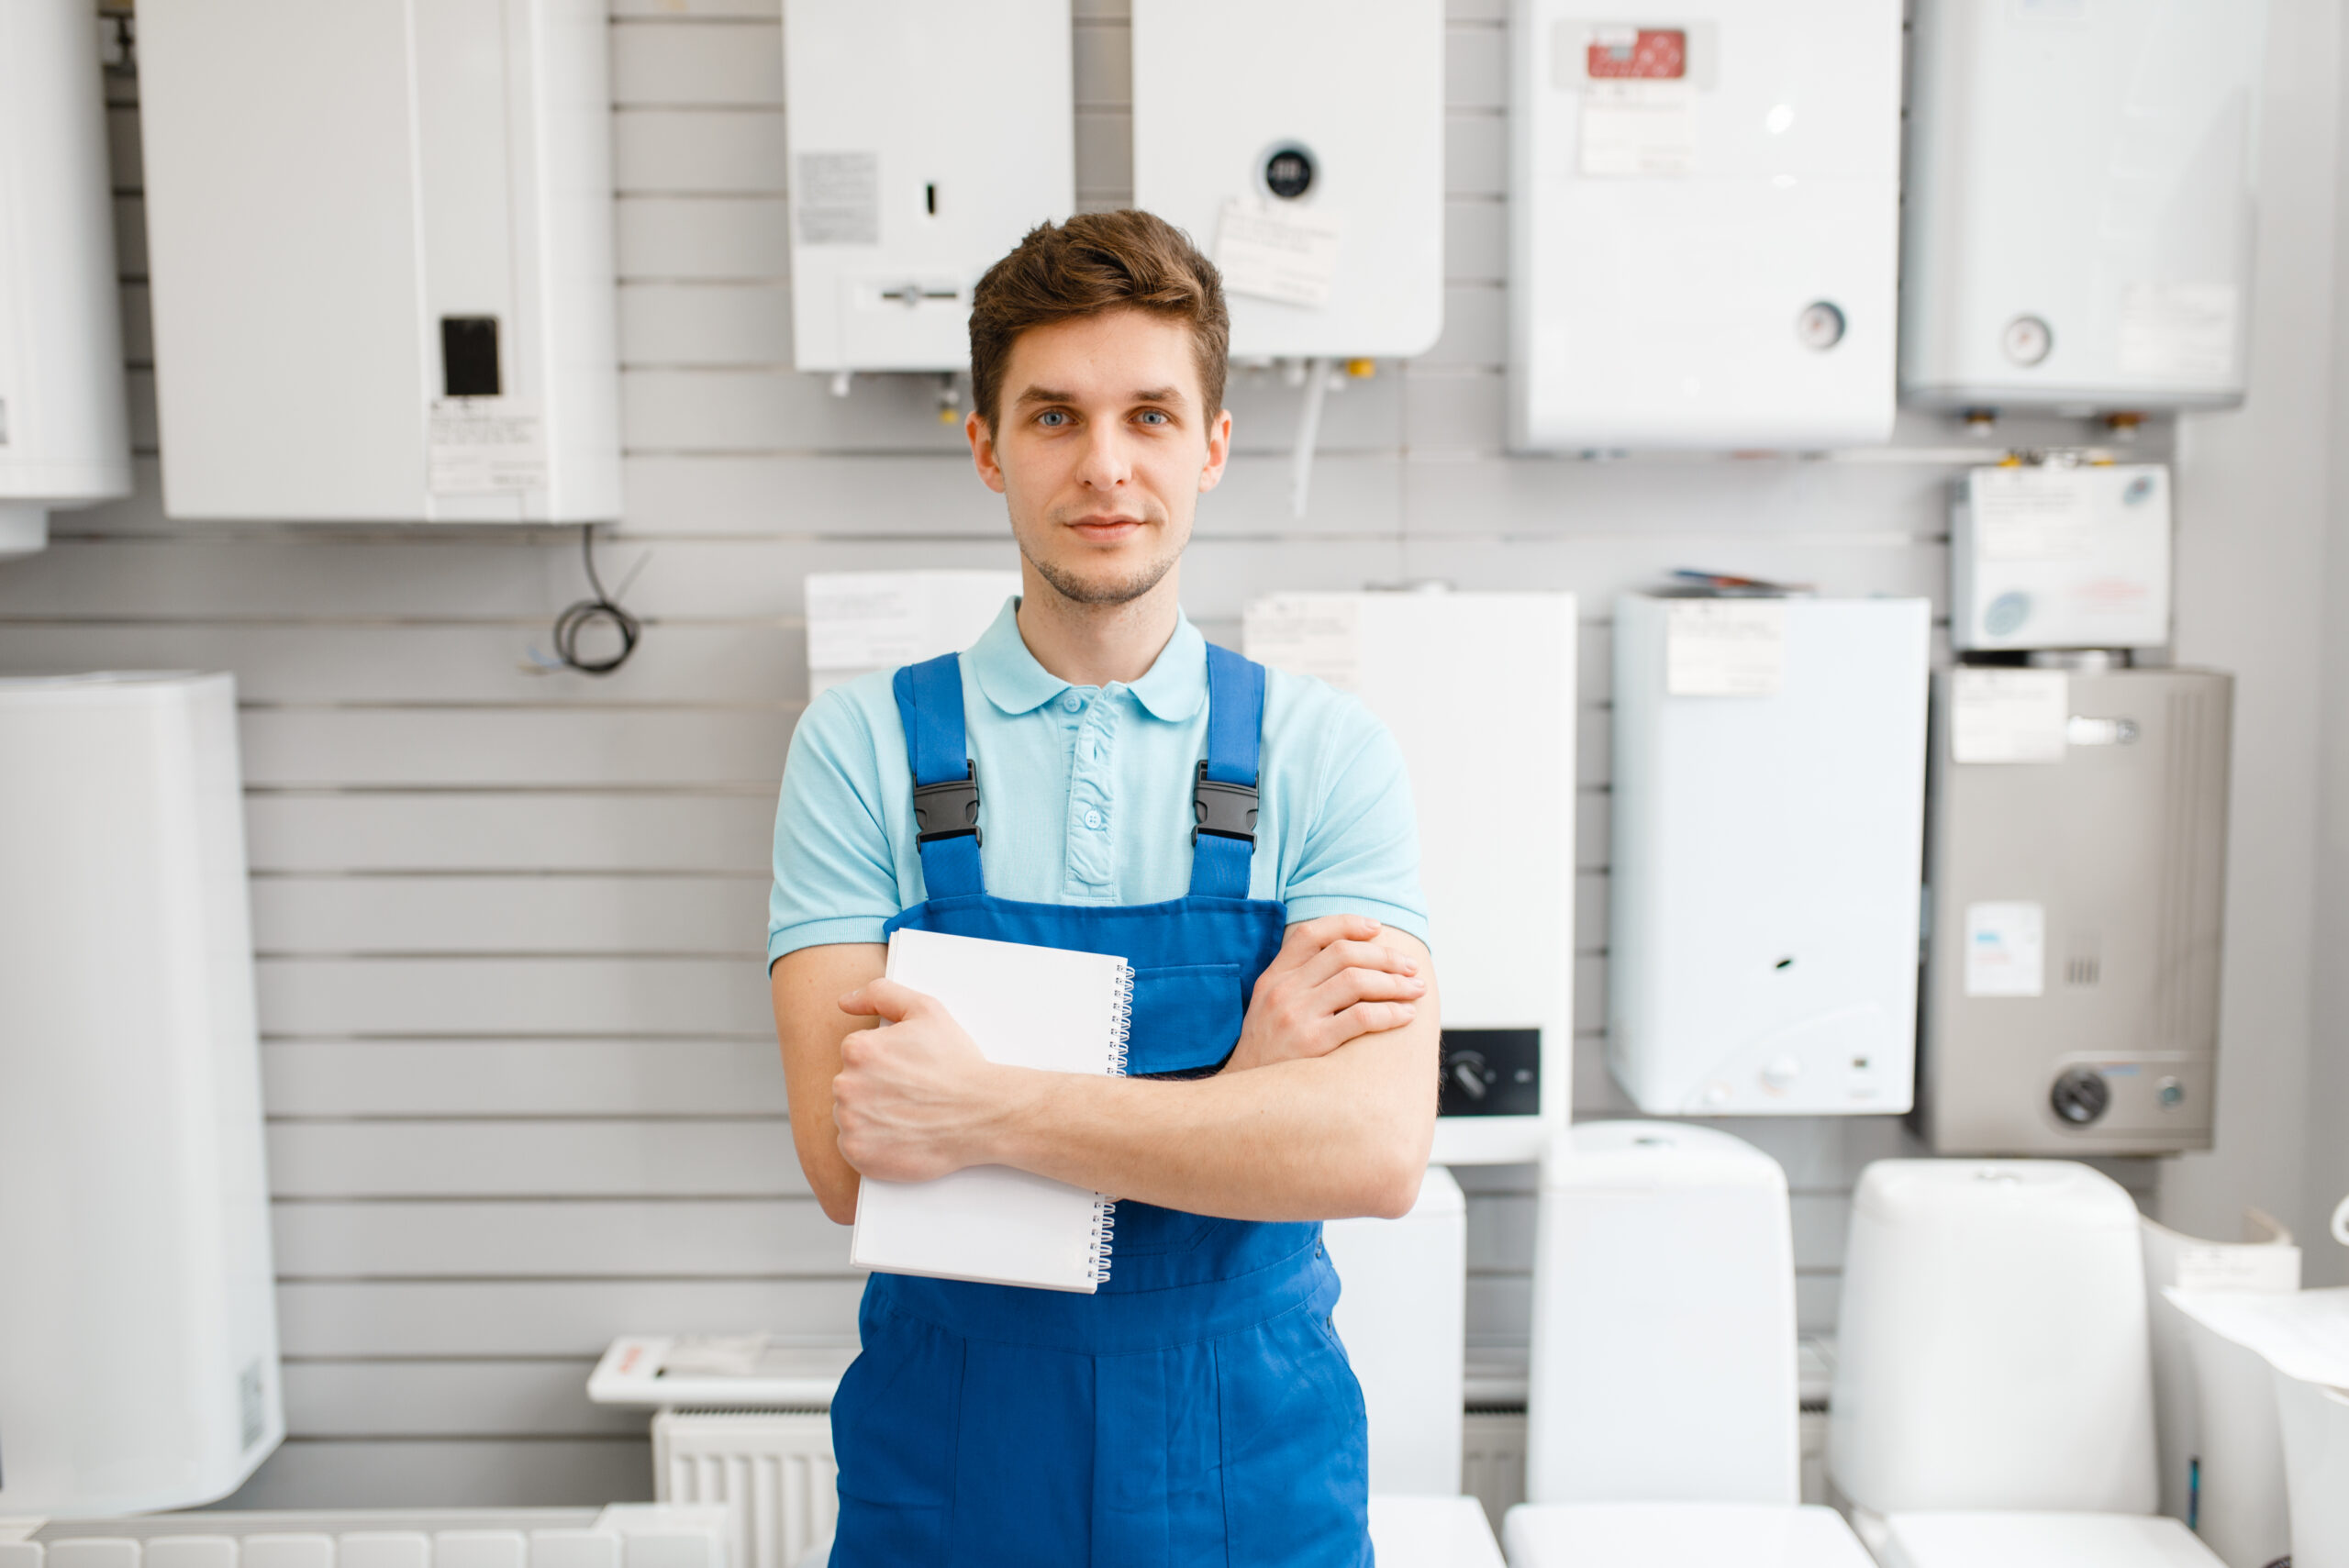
x,y
1328,1138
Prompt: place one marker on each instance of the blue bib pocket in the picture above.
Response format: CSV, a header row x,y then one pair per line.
x,y
1187,1020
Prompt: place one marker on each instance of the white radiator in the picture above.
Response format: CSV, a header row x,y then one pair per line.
x,y
772,1468
1492,1459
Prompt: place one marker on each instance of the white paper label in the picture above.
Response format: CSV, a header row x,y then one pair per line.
x,y
1307,634
1724,648
2032,514
879,621
1289,254
1638,129
2006,950
838,198
2179,329
484,446
2008,716
2218,1267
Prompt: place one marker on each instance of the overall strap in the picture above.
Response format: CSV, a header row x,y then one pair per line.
x,y
1223,802
946,784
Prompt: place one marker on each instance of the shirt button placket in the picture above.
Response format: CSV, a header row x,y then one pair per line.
x,y
1092,852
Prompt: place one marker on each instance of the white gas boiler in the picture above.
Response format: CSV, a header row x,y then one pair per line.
x,y
381,238
1769,796
138,1324
1479,690
64,439
1301,146
926,139
2048,556
2080,208
1704,224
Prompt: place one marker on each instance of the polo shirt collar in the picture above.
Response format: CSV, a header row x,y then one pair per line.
x,y
1173,689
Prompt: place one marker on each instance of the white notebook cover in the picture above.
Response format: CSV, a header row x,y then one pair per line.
x,y
1028,1006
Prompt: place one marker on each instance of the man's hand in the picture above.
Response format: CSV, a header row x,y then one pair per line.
x,y
1331,982
914,1098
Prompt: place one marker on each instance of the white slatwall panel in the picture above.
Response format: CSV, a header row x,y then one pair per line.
x,y
521,1081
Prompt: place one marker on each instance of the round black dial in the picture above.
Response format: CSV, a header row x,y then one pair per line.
x,y
1289,172
2080,1095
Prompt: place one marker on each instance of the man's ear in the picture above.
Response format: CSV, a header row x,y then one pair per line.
x,y
983,454
1219,450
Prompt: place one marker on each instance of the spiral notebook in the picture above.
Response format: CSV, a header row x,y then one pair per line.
x,y
1031,1006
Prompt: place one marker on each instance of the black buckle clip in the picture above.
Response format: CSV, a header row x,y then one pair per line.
x,y
948,810
1226,810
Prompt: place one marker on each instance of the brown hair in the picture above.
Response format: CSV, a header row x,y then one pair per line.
x,y
1098,261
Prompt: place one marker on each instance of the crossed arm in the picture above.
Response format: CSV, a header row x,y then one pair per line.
x,y
1326,1109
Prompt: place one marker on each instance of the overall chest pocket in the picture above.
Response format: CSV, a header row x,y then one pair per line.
x,y
1185,1019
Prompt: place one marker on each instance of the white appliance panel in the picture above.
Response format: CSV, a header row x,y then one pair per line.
x,y
138,1330
63,437
1223,86
2080,202
1703,256
1402,1317
926,139
380,236
1767,864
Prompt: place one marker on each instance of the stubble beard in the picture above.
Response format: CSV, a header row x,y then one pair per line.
x,y
1096,591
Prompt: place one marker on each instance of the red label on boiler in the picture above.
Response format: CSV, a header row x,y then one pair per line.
x,y
1638,54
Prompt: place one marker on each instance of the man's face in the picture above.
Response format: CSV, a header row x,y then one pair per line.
x,y
1102,450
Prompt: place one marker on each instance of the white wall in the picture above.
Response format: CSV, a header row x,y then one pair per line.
x,y
2252,492
521,1080
2327,1127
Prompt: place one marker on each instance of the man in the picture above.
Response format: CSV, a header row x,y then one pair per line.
x,y
1092,774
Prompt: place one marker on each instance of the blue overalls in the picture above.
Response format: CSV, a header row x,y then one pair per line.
x,y
1198,1408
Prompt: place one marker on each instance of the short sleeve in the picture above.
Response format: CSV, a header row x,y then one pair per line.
x,y
1360,853
835,877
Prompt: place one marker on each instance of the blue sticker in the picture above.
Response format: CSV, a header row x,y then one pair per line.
x,y
2140,489
2007,613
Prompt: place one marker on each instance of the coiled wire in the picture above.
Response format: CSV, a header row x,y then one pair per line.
x,y
600,610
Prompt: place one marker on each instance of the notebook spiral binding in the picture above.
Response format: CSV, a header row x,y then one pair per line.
x,y
1103,1234
1121,1020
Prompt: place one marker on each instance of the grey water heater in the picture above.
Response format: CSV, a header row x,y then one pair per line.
x,y
2076,862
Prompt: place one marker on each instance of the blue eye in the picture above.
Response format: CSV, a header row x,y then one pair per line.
x,y
1156,416
1051,418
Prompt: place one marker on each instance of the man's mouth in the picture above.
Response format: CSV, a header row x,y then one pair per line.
x,y
1103,529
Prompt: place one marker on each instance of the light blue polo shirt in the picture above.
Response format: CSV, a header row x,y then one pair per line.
x,y
1084,796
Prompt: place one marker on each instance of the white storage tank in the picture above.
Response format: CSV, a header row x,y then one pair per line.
x,y
381,239
1300,145
2079,203
63,438
1769,797
138,1330
926,139
1704,211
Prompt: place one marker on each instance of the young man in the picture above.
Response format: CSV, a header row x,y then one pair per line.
x,y
1246,840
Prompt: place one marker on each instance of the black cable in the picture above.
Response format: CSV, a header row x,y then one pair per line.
x,y
601,609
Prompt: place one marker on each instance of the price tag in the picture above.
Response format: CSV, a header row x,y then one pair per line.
x,y
2006,950
1724,648
2269,1267
2009,715
1289,254
2032,514
484,446
2177,329
1307,634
